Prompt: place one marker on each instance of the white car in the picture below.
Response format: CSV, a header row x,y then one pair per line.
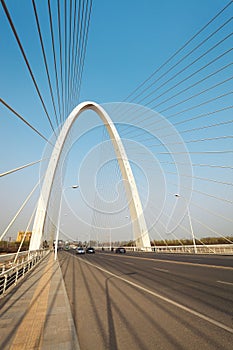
x,y
80,250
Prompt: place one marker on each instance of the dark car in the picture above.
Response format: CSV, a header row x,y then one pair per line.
x,y
120,250
80,250
90,250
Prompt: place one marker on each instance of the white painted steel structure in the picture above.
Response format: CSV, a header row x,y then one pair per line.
x,y
15,266
141,235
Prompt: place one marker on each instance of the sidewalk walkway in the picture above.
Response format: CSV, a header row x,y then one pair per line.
x,y
36,313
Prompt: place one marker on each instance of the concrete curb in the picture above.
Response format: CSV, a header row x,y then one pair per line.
x,y
59,328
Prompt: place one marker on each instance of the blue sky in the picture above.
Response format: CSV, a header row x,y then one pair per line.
x,y
128,40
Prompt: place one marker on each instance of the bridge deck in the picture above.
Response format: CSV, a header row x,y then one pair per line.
x,y
36,314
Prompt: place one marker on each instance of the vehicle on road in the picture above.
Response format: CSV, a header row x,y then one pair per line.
x,y
90,250
120,250
80,250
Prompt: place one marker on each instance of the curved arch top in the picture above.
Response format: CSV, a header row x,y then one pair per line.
x,y
136,212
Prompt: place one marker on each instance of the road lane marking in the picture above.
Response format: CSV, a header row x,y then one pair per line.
x,y
163,270
159,296
180,262
128,263
223,282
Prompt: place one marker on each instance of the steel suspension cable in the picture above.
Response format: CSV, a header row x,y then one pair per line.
x,y
76,49
73,46
212,212
191,130
191,108
84,52
200,222
19,210
200,152
203,115
45,59
25,234
54,59
202,127
26,61
189,87
202,178
82,49
69,51
80,40
199,116
182,70
200,104
24,120
163,224
190,76
188,175
196,106
193,85
187,66
61,60
205,194
193,164
210,229
22,167
197,71
178,51
185,229
65,57
200,165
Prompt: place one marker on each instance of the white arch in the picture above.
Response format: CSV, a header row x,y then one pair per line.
x,y
137,217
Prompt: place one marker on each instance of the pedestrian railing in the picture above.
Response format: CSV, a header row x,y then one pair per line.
x,y
13,267
225,249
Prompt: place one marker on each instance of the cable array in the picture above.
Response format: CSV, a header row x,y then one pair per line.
x,y
67,48
130,97
193,90
60,30
26,61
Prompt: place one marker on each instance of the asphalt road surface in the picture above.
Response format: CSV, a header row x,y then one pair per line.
x,y
150,301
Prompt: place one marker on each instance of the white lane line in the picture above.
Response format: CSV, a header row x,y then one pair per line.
x,y
163,270
229,283
180,262
128,263
170,301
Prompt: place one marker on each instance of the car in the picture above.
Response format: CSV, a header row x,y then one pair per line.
x,y
80,250
120,250
90,250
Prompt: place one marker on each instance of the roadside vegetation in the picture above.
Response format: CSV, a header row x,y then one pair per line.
x,y
12,247
176,242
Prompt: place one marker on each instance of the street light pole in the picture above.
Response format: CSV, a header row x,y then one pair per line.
x,y
58,228
190,223
59,220
110,239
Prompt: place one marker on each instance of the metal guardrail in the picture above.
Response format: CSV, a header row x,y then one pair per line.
x,y
225,249
12,271
201,249
6,259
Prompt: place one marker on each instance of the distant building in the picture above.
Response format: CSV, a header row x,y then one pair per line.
x,y
20,236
